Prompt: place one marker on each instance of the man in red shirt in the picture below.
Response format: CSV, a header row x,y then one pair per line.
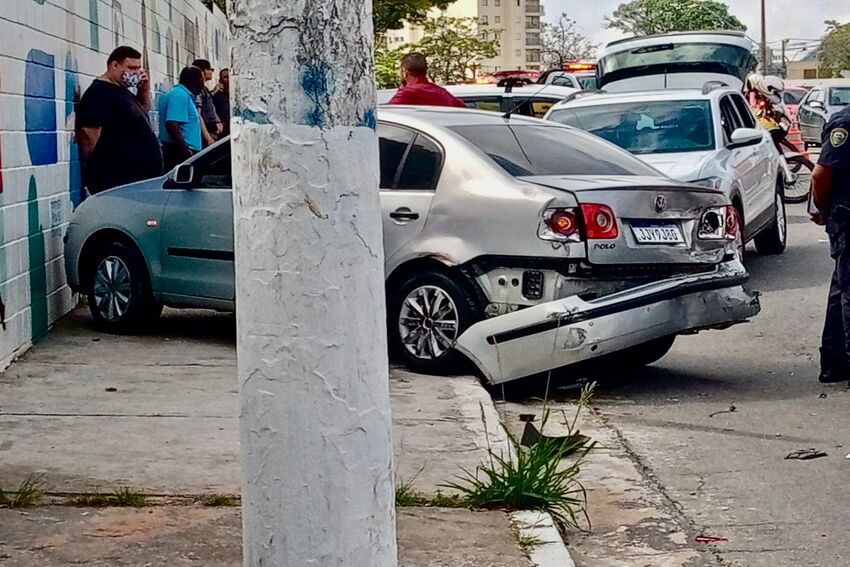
x,y
417,89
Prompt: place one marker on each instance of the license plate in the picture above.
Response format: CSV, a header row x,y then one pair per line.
x,y
657,233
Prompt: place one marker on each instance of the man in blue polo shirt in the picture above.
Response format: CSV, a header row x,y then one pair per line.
x,y
179,122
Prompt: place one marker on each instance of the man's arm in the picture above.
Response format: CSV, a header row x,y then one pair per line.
x,y
835,152
176,133
205,134
821,185
86,139
143,94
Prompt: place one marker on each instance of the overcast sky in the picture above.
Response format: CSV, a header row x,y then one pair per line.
x,y
785,18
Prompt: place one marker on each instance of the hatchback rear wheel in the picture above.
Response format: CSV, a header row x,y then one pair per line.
x,y
427,314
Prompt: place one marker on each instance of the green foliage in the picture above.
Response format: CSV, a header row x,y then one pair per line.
x,y
222,4
407,496
387,67
835,50
391,14
534,478
562,42
454,48
646,17
94,499
126,496
27,494
219,500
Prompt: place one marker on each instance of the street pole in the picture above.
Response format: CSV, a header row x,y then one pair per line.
x,y
763,39
317,484
784,62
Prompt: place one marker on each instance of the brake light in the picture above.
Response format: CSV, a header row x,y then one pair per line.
x,y
599,221
719,223
560,225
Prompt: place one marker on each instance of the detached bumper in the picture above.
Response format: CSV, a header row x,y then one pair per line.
x,y
570,330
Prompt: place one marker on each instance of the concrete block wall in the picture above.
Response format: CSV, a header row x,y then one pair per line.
x,y
50,51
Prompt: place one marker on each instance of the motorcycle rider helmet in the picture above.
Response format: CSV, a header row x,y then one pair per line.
x,y
771,87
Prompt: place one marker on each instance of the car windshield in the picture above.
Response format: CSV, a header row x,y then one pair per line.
x,y
793,97
588,83
528,150
839,96
646,127
678,57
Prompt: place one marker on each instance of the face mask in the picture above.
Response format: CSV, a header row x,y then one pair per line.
x,y
131,79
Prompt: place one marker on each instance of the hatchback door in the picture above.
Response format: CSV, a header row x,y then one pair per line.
x,y
410,168
810,118
197,231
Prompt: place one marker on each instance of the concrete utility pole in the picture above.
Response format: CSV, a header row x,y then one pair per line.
x,y
764,67
317,484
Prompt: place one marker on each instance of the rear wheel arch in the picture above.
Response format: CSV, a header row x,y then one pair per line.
x,y
428,264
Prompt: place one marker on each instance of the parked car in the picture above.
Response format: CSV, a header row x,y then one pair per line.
x,y
792,97
817,109
585,80
520,243
676,60
708,137
527,100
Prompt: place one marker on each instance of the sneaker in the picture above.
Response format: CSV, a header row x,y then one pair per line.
x,y
834,376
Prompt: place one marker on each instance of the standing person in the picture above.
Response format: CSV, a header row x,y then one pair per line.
x,y
209,116
221,99
179,122
417,89
831,195
114,134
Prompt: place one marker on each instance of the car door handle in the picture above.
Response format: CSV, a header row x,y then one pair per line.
x,y
404,215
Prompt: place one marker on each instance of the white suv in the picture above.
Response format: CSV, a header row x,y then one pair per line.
x,y
708,137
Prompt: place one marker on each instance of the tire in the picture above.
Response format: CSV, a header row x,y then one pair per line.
x,y
639,356
416,339
798,192
740,242
774,239
120,297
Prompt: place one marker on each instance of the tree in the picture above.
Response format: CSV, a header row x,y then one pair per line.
x,y
835,50
562,42
317,479
392,14
387,67
454,48
646,17
222,4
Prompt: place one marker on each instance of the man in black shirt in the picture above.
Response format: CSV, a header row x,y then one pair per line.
x,y
221,99
114,132
212,123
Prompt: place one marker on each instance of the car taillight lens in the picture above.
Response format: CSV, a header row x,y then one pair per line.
x,y
599,221
719,223
560,225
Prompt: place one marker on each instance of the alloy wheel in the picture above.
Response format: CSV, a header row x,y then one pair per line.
x,y
428,322
781,226
112,288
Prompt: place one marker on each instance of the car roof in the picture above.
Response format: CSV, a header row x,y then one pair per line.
x,y
421,117
596,99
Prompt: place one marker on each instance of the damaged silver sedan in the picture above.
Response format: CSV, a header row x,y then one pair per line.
x,y
526,246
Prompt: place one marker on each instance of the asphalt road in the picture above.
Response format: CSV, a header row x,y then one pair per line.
x,y
727,472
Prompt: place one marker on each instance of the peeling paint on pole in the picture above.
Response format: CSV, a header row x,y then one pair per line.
x,y
315,423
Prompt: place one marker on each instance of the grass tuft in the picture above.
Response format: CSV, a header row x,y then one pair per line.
x,y
527,542
27,494
533,478
126,496
219,500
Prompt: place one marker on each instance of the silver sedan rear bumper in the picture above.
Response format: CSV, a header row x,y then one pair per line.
x,y
571,330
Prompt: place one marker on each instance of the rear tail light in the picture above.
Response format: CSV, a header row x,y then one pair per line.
x,y
560,225
599,221
719,223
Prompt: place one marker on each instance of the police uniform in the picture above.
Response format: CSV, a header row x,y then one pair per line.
x,y
835,154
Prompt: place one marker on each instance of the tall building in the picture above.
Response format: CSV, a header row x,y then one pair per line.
x,y
515,23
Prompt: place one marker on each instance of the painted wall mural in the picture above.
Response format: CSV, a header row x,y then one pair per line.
x,y
44,75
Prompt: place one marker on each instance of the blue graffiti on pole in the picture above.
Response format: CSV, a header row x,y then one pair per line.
x,y
72,98
369,119
40,108
316,85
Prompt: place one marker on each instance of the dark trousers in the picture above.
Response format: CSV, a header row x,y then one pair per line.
x,y
172,156
835,344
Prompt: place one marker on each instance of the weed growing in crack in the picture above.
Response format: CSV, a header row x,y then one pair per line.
x,y
126,496
219,500
527,542
533,478
28,493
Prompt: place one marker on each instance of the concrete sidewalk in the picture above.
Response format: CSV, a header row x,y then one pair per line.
x,y
160,414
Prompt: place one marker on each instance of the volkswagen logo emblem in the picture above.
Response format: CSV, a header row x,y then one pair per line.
x,y
660,203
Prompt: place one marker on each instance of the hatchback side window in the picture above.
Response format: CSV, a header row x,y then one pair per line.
x,y
421,166
217,174
817,96
746,115
393,143
728,118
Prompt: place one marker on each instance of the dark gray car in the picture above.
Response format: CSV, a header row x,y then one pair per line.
x,y
817,109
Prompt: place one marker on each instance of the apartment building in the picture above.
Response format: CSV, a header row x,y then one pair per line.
x,y
515,23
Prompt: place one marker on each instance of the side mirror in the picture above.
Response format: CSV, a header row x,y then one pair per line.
x,y
185,174
816,104
746,137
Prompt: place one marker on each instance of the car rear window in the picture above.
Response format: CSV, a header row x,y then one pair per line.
x,y
646,127
527,150
839,96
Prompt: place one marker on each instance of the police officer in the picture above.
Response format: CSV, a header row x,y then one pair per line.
x,y
831,194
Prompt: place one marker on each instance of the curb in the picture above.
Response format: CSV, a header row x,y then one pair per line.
x,y
539,525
